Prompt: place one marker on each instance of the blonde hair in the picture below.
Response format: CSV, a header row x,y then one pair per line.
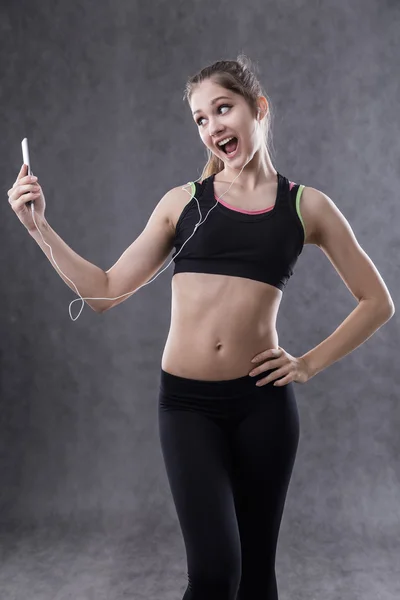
x,y
238,76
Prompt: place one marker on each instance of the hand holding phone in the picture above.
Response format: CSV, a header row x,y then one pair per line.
x,y
26,196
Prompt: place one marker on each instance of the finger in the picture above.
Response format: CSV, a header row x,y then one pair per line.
x,y
272,352
22,173
269,364
22,189
284,380
24,178
27,179
32,196
13,191
275,375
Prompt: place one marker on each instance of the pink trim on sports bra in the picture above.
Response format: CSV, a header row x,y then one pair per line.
x,y
249,212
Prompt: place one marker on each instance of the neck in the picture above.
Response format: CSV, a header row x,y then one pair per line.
x,y
259,171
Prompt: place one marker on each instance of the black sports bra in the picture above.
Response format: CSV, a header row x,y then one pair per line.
x,y
261,245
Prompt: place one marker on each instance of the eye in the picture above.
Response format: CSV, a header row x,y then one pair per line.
x,y
220,106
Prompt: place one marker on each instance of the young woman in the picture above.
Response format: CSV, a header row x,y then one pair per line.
x,y
229,428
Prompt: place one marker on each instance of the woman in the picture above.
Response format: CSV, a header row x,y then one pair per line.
x,y
229,439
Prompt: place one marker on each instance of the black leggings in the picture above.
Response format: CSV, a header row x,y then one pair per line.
x,y
229,448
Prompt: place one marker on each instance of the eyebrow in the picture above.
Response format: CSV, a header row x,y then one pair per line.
x,y
212,102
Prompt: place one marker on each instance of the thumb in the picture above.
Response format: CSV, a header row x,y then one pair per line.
x,y
22,173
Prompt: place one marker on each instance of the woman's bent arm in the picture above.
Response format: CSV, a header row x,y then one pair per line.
x,y
90,280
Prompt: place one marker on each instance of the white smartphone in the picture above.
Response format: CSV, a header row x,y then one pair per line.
x,y
25,156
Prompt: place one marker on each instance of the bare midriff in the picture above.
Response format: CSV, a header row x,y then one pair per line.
x,y
218,324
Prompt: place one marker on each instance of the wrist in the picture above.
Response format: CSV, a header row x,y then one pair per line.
x,y
310,366
41,225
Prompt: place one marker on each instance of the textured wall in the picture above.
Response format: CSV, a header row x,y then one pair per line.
x,y
97,88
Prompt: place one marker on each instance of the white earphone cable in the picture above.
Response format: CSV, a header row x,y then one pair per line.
x,y
159,273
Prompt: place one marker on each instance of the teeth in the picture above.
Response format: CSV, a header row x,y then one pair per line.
x,y
222,142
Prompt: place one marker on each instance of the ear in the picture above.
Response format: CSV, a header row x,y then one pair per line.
x,y
262,106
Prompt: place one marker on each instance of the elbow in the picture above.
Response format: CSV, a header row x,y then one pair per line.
x,y
390,310
387,309
384,307
97,309
102,309
105,308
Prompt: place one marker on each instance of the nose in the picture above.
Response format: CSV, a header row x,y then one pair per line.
x,y
215,130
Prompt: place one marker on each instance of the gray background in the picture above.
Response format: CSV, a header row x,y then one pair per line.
x,y
97,87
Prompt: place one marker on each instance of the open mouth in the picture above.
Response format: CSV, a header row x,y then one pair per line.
x,y
231,147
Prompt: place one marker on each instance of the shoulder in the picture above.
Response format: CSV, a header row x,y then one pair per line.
x,y
327,224
174,201
321,216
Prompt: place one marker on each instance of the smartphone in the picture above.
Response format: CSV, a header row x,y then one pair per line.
x,y
25,156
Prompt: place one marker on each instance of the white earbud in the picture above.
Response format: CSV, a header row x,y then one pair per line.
x,y
258,114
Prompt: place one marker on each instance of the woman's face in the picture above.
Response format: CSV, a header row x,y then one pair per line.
x,y
223,118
